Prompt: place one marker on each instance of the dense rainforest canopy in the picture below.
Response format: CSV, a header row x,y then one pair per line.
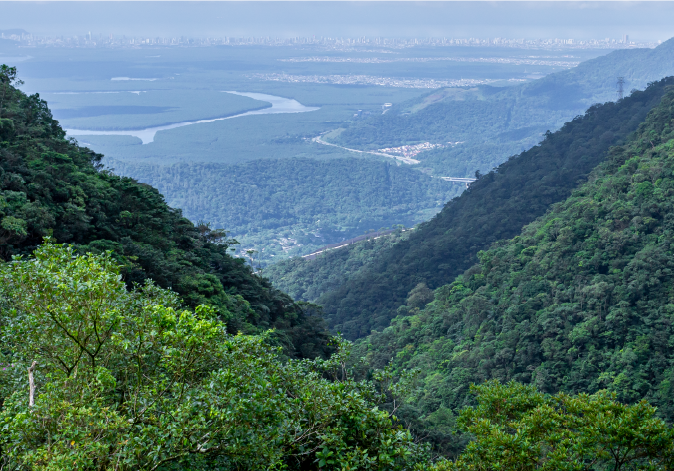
x,y
495,207
264,203
131,380
580,301
49,186
307,280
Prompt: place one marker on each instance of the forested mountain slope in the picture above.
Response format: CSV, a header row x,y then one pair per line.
x,y
290,206
51,187
494,123
581,301
495,207
307,280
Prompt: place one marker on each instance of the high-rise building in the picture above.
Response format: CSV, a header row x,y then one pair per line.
x,y
626,39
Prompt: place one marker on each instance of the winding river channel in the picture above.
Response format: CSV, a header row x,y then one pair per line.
x,y
279,105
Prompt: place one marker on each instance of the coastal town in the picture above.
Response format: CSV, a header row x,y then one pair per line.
x,y
410,151
373,80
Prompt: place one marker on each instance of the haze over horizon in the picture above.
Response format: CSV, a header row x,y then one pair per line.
x,y
642,21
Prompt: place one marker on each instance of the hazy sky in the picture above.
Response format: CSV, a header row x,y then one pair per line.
x,y
641,20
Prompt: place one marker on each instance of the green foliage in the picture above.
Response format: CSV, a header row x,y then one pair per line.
x,y
264,203
51,187
419,296
307,280
495,207
517,427
132,380
580,302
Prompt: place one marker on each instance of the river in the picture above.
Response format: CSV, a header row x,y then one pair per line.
x,y
278,105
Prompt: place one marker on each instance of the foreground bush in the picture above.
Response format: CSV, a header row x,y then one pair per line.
x,y
515,427
131,380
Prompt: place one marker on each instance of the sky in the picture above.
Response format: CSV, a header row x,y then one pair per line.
x,y
642,21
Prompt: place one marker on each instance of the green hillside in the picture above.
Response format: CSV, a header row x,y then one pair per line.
x,y
158,350
51,187
495,207
285,207
581,301
495,123
307,280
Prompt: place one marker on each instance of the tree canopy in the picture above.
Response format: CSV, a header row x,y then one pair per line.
x,y
293,206
131,379
517,427
579,302
495,207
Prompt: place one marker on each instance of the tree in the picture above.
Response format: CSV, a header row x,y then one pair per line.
x,y
50,186
517,427
133,380
7,79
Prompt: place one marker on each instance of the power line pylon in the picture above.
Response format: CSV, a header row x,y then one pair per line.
x,y
621,82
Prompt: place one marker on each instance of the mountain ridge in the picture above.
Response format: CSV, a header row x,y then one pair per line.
x,y
497,123
580,301
495,207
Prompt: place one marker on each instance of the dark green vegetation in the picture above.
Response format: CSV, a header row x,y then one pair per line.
x,y
495,123
51,187
581,301
307,280
130,380
286,206
495,207
517,427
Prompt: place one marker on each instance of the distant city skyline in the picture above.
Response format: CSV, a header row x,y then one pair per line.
x,y
641,21
24,38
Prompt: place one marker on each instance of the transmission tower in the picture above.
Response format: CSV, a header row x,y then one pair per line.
x,y
621,82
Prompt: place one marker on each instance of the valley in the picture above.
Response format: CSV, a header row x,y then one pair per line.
x,y
326,253
170,109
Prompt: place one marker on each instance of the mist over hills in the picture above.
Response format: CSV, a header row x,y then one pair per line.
x,y
495,123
